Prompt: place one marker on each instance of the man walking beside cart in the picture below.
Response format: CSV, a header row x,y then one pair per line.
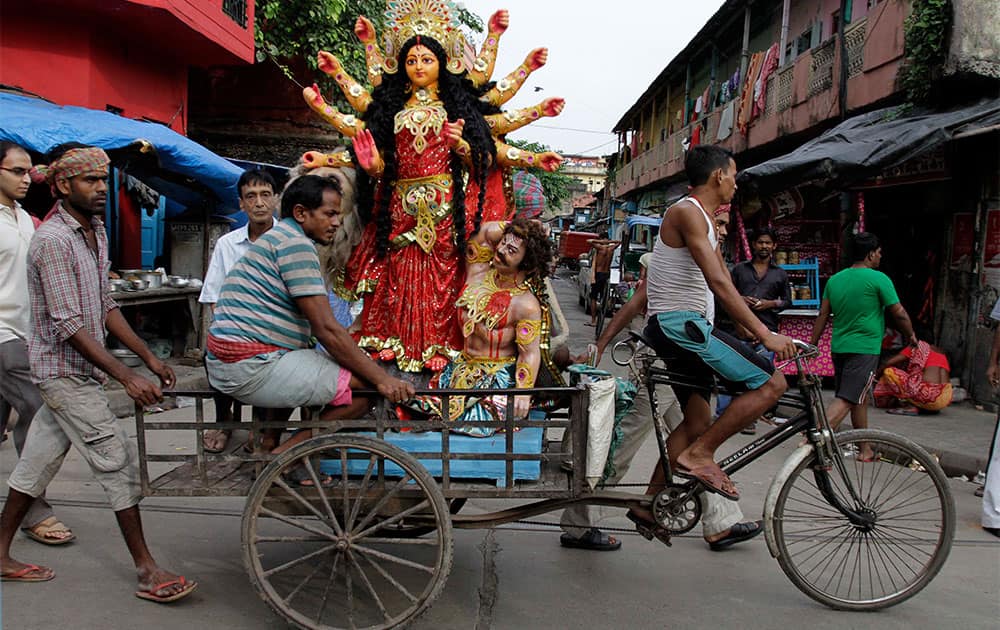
x,y
604,250
70,311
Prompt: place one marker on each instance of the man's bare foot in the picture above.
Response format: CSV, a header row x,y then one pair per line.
x,y
703,468
163,586
13,571
50,531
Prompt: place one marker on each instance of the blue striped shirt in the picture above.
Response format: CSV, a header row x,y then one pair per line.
x,y
257,302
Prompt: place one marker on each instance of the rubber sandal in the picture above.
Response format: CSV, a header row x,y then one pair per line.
x,y
704,479
738,533
51,524
22,575
648,529
593,539
205,436
166,599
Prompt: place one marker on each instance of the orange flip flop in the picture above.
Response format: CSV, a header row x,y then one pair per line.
x,y
165,599
24,575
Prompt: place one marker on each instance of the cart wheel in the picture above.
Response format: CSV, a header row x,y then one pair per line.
x,y
323,555
407,529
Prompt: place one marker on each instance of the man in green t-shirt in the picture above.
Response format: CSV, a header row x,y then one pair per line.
x,y
858,297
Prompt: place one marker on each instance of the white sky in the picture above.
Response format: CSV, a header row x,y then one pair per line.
x,y
602,57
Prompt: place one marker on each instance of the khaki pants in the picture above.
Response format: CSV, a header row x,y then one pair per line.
x,y
718,513
76,413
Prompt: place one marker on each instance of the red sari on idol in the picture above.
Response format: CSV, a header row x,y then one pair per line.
x,y
410,293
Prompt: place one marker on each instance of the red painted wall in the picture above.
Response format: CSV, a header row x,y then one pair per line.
x,y
133,55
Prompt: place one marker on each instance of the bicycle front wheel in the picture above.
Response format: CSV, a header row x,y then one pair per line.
x,y
880,564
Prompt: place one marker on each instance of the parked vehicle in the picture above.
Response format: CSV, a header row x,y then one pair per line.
x,y
572,245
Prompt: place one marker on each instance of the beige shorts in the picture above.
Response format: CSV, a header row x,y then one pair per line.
x,y
76,413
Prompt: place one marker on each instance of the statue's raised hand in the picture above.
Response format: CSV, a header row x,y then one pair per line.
x,y
364,30
499,22
327,62
367,153
553,106
453,132
313,96
536,58
549,161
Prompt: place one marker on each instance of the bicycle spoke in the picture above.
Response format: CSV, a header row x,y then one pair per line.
x,y
326,588
395,559
350,592
302,500
373,512
343,482
368,585
361,493
393,519
390,579
321,492
303,526
298,561
295,591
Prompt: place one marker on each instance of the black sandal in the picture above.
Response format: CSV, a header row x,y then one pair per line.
x,y
738,533
593,539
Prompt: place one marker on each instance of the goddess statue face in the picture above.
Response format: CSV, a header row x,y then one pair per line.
x,y
422,66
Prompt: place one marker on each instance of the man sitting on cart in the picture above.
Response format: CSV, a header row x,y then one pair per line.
x,y
272,304
501,321
686,263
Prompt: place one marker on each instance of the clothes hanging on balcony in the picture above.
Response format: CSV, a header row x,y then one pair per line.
x,y
726,121
770,64
746,98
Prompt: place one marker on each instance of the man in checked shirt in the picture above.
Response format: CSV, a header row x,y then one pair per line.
x,y
70,311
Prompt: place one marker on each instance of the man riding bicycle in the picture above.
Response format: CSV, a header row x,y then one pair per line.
x,y
685,265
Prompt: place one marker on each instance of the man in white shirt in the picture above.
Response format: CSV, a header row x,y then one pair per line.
x,y
16,230
258,200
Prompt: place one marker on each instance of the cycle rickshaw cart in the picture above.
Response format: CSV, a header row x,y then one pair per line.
x,y
367,542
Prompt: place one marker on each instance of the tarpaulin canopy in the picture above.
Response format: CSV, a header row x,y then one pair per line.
x,y
638,219
529,196
862,147
183,169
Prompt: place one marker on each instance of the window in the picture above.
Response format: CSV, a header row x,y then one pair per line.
x,y
237,10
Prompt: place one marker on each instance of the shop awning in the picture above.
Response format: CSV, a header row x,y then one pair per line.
x,y
177,166
862,147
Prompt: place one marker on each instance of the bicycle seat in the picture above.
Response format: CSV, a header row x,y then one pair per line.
x,y
640,338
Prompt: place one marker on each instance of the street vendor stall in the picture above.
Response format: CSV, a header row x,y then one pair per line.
x,y
157,175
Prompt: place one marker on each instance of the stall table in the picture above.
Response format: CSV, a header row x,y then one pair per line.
x,y
189,295
797,323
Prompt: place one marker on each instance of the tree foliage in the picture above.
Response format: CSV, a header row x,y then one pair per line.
x,y
926,33
289,30
555,184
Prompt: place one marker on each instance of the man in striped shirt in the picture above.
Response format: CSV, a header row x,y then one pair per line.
x,y
273,302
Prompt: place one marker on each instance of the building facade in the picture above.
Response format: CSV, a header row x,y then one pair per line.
x,y
763,77
130,57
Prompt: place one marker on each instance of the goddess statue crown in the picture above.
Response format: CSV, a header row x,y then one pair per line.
x,y
435,19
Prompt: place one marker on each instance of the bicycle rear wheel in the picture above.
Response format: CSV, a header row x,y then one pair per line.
x,y
602,309
866,567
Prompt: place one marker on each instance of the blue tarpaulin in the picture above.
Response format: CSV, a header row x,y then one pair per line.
x,y
39,125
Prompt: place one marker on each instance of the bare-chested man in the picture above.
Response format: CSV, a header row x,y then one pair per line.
x,y
501,324
600,263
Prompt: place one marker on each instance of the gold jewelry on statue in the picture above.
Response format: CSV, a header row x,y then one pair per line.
x,y
482,67
527,330
437,19
425,95
508,86
524,375
420,121
478,253
486,302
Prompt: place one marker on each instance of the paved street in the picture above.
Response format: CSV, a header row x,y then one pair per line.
x,y
535,584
